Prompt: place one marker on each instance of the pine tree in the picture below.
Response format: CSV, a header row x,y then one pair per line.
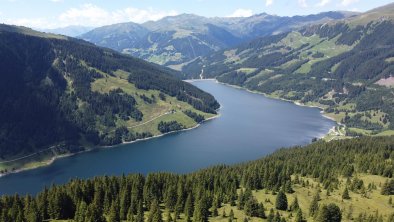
x,y
298,217
241,201
130,215
251,207
114,215
80,212
271,215
294,206
345,194
154,212
261,211
231,215
314,207
168,216
93,214
277,217
281,201
388,187
140,212
31,213
188,207
200,213
330,213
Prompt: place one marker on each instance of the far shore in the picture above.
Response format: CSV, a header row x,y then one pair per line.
x,y
54,158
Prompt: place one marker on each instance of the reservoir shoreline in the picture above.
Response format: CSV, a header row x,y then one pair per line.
x,y
54,158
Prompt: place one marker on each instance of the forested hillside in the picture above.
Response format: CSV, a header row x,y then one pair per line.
x,y
176,40
65,95
345,67
337,181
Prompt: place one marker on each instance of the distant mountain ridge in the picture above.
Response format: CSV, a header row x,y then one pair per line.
x,y
176,40
344,66
72,31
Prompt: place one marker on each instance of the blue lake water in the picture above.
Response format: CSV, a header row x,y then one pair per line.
x,y
249,127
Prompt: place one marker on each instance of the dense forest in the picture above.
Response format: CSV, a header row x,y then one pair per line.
x,y
198,196
47,99
335,66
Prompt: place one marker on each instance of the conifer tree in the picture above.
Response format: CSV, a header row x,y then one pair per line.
x,y
330,213
314,207
140,212
261,211
154,212
81,212
294,206
114,215
188,207
345,194
298,217
231,215
281,201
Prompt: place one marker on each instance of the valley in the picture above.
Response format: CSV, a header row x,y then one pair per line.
x,y
197,111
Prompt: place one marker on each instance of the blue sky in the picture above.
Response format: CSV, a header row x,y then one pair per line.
x,y
60,13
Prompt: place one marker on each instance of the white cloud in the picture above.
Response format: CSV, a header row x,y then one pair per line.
x,y
92,15
348,2
269,2
303,3
34,23
241,13
323,3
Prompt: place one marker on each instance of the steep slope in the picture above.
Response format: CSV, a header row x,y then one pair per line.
x,y
345,67
69,94
118,36
174,41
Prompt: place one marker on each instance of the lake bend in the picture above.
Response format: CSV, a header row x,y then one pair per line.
x,y
249,127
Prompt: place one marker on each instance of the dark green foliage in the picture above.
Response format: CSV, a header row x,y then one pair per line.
x,y
329,213
388,187
314,206
154,212
345,194
46,96
166,127
198,192
281,201
195,116
252,207
295,206
298,217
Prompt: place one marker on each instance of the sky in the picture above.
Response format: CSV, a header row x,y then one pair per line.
x,y
47,14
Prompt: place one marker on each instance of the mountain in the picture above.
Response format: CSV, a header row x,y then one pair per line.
x,y
346,67
118,36
72,31
311,183
64,95
176,40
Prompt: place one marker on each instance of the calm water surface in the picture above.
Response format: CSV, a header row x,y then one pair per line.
x,y
250,126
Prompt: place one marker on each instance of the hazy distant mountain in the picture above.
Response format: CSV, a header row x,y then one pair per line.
x,y
71,31
175,40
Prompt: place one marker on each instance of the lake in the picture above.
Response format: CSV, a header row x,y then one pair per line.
x,y
249,127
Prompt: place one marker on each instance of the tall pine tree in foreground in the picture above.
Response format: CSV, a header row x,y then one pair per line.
x,y
281,201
